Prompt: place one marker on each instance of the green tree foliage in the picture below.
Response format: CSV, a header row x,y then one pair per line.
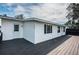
x,y
73,15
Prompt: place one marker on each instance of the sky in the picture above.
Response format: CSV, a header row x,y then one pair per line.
x,y
54,12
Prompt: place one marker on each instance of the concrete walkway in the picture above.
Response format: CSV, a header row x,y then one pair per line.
x,y
69,47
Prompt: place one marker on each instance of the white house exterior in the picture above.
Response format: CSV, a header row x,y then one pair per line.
x,y
32,29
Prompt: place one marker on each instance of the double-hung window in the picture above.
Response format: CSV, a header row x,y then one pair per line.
x,y
47,28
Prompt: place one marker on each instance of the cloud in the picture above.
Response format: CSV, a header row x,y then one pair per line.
x,y
55,12
22,8
19,10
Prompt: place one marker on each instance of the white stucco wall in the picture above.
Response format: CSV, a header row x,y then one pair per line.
x,y
7,28
29,31
40,36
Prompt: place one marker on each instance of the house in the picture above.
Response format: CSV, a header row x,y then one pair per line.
x,y
32,29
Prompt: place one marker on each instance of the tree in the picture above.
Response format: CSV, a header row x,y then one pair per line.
x,y
73,15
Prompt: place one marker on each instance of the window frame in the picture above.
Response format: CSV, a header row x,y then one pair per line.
x,y
63,29
59,29
47,28
16,27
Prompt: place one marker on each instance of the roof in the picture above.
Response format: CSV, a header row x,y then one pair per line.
x,y
30,19
10,18
44,21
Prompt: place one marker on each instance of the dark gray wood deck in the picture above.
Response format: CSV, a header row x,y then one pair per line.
x,y
23,47
69,47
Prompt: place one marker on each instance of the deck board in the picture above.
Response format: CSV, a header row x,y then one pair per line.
x,y
69,47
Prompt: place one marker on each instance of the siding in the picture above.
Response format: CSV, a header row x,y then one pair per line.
x,y
40,36
29,31
8,30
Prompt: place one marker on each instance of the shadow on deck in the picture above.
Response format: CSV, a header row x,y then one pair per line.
x,y
23,47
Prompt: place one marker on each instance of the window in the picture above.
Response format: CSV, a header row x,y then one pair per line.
x,y
16,27
58,29
47,28
63,29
